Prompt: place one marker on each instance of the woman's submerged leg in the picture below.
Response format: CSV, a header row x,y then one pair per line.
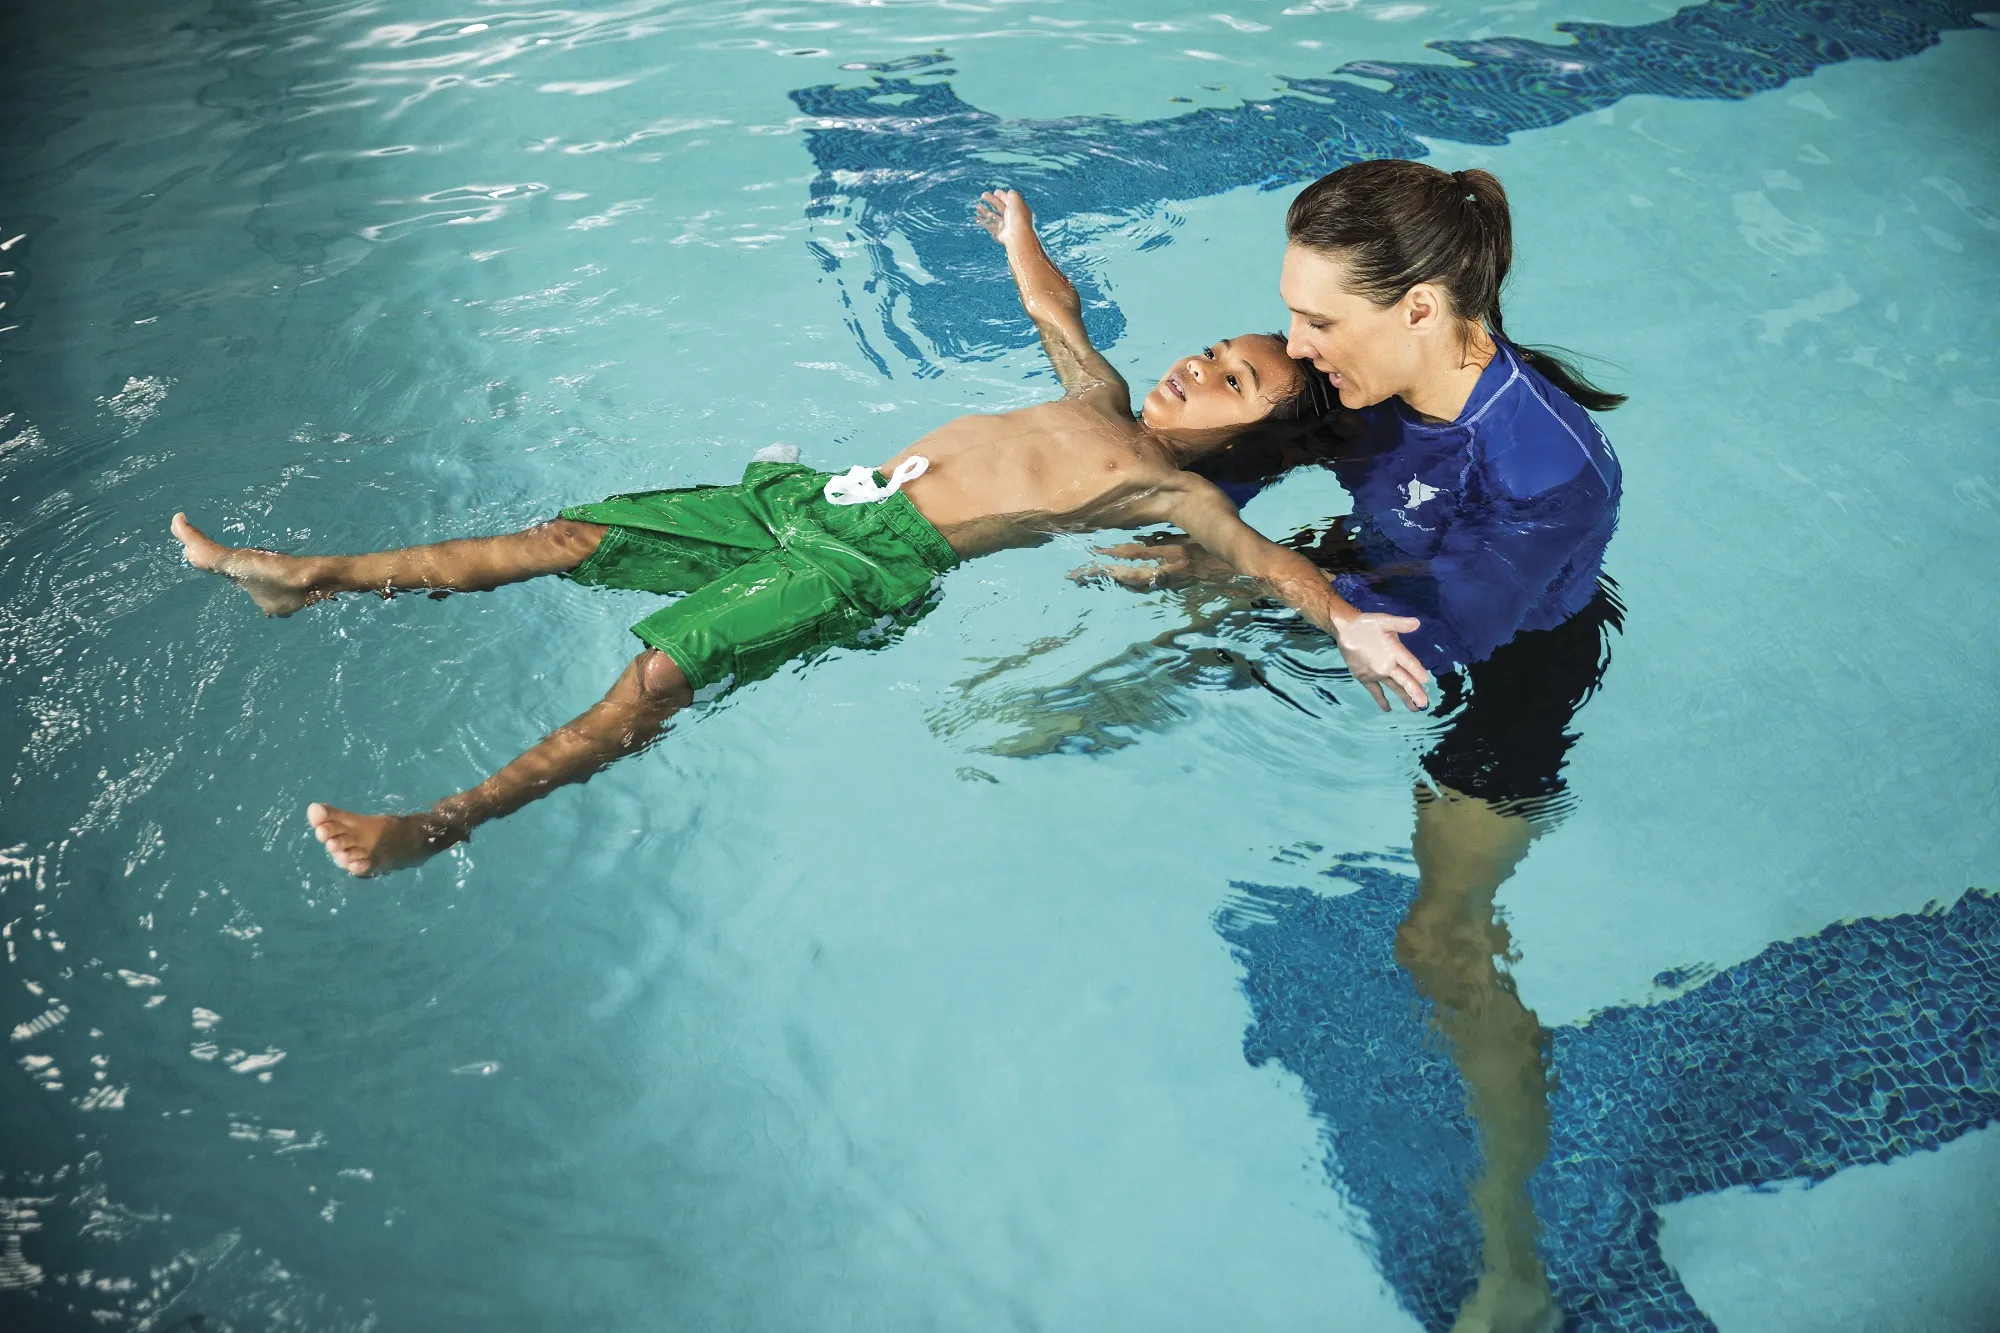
x,y
628,718
282,584
1452,944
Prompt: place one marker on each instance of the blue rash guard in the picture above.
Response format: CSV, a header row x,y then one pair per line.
x,y
1484,526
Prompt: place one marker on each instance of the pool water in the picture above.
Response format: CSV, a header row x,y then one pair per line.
x,y
1032,971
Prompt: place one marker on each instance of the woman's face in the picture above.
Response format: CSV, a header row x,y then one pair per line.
x,y
1369,351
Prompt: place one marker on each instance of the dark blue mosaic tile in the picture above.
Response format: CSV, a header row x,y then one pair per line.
x,y
908,156
1868,1041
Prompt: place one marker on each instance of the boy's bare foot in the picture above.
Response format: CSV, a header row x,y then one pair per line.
x,y
365,845
277,583
1509,1303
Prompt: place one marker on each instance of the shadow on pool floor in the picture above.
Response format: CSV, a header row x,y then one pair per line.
x,y
1862,1043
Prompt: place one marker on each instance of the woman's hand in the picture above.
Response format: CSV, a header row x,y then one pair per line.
x,y
1006,217
1377,658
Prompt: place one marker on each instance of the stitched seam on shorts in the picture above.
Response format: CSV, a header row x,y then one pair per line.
x,y
645,543
898,518
798,628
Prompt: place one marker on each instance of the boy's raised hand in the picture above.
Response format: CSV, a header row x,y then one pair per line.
x,y
1006,217
1050,300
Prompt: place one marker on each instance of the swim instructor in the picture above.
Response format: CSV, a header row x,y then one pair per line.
x,y
1484,496
1475,458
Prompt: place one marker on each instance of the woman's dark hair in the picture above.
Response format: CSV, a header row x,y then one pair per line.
x,y
1396,224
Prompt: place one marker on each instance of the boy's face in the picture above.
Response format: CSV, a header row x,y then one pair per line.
x,y
1224,387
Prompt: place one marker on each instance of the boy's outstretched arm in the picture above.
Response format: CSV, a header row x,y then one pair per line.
x,y
1368,640
1051,301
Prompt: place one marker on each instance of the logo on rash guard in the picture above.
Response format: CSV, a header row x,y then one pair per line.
x,y
1417,493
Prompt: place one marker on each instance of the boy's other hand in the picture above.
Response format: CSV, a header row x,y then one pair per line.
x,y
1376,657
1175,563
1006,217
1369,643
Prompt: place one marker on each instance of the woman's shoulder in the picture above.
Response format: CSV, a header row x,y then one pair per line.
x,y
1535,438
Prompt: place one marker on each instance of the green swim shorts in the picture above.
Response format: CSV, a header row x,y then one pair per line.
x,y
771,569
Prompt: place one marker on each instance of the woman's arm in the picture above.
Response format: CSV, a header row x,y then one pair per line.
x,y
1367,640
1051,301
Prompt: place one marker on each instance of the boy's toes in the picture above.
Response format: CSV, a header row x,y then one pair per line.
x,y
196,546
339,841
369,845
348,856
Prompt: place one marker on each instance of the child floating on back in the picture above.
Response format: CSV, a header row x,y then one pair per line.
x,y
791,559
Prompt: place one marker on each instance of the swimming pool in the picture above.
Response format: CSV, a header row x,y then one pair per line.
x,y
1024,974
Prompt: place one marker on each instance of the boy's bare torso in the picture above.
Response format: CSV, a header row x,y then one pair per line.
x,y
1016,478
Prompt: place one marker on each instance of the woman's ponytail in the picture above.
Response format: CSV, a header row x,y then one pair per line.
x,y
1566,377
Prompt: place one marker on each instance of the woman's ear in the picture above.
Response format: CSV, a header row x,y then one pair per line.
x,y
1422,308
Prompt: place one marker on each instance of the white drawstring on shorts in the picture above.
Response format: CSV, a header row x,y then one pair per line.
x,y
859,487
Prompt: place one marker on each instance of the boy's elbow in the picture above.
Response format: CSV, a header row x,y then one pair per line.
x,y
1052,305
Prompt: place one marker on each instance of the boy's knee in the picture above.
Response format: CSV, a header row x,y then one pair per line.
x,y
572,539
662,681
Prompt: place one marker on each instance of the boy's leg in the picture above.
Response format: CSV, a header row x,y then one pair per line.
x,y
282,584
735,629
649,691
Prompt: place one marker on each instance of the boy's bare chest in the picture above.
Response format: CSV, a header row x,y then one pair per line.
x,y
1056,444
1052,469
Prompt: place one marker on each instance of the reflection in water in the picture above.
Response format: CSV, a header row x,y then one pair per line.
x,y
1114,703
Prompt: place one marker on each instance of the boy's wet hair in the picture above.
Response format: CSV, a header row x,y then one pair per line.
x,y
1314,398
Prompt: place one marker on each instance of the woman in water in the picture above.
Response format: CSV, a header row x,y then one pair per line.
x,y
1484,495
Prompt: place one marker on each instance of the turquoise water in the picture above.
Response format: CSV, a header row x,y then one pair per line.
x,y
836,1010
